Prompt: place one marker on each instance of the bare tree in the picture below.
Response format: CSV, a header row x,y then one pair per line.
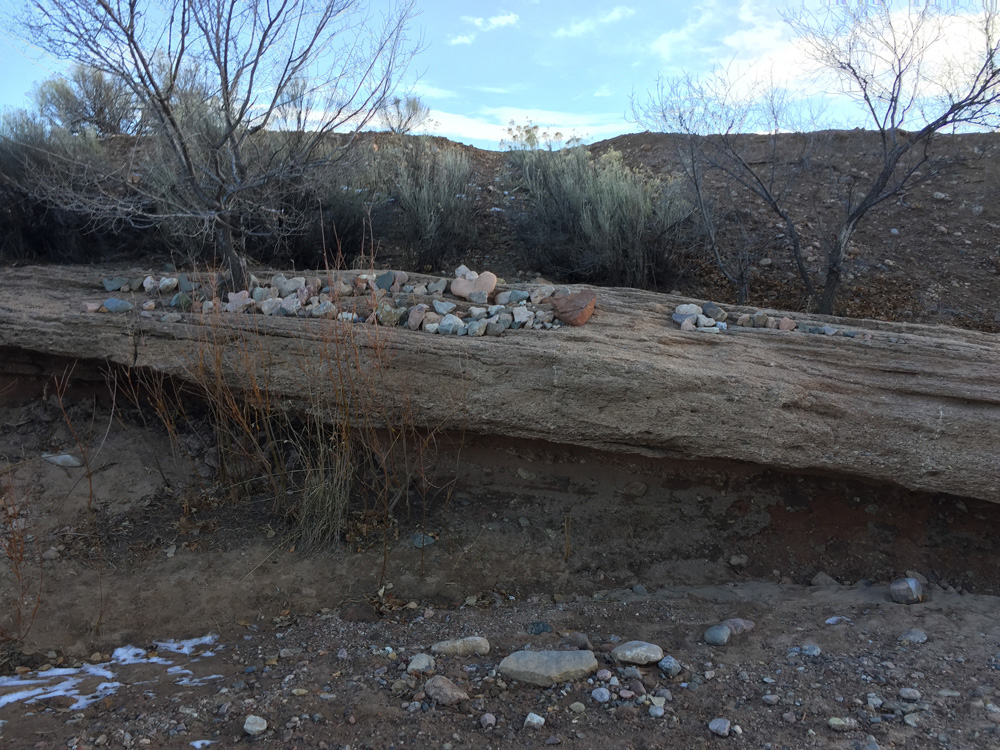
x,y
892,61
239,99
404,115
895,62
730,129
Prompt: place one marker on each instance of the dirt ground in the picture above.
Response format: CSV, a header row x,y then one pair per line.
x,y
520,533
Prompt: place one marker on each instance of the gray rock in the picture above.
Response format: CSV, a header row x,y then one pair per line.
x,y
909,694
656,712
913,635
688,309
473,645
720,727
421,664
442,690
385,280
172,318
115,305
443,307
717,635
679,319
670,666
811,650
431,327
437,287
822,579
533,721
546,668
479,297
517,295
114,284
577,707
637,652
708,329
270,306
254,725
772,700
450,324
487,720
421,540
168,284
760,320
703,321
476,328
601,694
842,725
906,591
712,310
181,300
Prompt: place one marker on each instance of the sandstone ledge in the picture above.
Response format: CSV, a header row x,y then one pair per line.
x,y
918,406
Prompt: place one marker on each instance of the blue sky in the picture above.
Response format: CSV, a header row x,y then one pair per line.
x,y
571,66
565,66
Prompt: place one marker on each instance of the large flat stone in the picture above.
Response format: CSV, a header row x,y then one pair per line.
x,y
548,667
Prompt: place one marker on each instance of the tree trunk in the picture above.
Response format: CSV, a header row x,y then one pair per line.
x,y
826,302
236,278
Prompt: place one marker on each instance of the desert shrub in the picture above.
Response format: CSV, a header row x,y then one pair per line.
x,y
594,218
429,184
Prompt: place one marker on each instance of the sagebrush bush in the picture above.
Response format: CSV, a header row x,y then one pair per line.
x,y
430,186
594,218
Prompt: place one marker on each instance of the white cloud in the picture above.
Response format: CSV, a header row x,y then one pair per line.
x,y
604,90
491,89
489,126
587,25
432,92
462,39
493,22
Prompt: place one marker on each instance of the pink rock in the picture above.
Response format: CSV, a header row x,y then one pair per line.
x,y
485,282
462,287
90,307
744,321
688,325
416,317
787,324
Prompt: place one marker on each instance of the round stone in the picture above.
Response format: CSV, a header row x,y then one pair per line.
x,y
720,727
601,695
913,635
906,591
670,666
255,725
717,635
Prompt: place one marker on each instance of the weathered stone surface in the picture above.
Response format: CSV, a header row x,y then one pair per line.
x,y
548,667
473,645
637,652
442,690
790,401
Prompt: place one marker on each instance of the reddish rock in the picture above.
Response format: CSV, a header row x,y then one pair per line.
x,y
90,307
574,309
688,325
744,321
787,324
442,690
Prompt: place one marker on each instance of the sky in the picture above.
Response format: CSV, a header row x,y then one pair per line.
x,y
567,66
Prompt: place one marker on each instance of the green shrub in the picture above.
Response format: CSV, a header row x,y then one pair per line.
x,y
429,185
594,218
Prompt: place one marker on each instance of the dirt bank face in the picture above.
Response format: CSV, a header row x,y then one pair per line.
x,y
160,552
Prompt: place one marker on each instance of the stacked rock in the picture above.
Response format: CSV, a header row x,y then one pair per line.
x,y
385,298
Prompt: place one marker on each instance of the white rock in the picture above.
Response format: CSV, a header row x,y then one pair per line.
x,y
533,721
254,725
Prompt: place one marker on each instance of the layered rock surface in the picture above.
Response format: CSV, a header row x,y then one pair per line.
x,y
917,406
